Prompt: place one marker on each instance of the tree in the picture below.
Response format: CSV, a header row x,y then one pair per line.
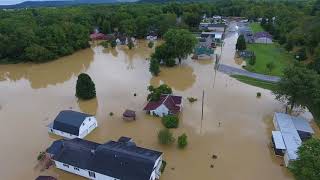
x,y
301,54
180,43
170,121
105,44
270,66
241,43
307,166
130,44
150,44
154,67
155,93
165,137
182,141
164,55
113,43
192,19
85,88
298,86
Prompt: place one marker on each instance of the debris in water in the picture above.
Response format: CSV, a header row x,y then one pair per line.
x,y
135,94
172,168
214,156
282,164
212,166
70,107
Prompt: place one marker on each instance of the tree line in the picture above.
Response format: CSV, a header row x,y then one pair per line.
x,y
43,34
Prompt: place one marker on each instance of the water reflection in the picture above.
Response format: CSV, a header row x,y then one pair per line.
x,y
180,78
88,106
51,73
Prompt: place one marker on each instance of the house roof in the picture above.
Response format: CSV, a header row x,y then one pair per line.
x,y
45,178
129,113
170,101
262,35
302,125
277,139
69,121
118,159
289,133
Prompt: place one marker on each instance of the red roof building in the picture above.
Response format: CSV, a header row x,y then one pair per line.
x,y
168,104
98,36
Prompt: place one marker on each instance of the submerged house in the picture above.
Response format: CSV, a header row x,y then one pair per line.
x,y
167,104
202,52
262,38
72,124
289,133
113,160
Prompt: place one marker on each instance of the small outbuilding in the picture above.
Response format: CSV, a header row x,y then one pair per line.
x,y
262,38
129,115
71,124
45,178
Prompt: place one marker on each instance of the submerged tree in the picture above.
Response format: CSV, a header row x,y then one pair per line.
x,y
165,137
307,166
155,93
154,67
182,141
241,43
130,44
85,88
179,42
113,43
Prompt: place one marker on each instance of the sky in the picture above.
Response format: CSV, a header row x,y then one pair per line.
x,y
6,2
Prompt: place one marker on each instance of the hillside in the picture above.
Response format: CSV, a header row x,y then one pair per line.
x,y
57,3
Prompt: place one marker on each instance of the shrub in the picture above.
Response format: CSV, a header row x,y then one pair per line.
x,y
252,60
85,88
130,44
192,99
111,114
170,62
150,44
41,155
105,44
165,137
182,141
270,66
113,43
258,94
170,121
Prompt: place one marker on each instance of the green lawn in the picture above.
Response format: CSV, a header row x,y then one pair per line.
x,y
256,27
255,82
266,53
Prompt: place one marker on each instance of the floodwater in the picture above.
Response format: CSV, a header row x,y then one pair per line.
x,y
236,126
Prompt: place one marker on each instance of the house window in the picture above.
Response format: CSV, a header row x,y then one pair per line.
x,y
66,165
82,123
77,169
91,174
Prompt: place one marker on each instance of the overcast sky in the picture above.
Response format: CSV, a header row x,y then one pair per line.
x,y
6,2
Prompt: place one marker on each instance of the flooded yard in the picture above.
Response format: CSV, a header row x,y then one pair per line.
x,y
236,125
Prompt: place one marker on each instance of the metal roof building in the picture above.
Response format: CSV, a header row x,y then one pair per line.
x,y
287,134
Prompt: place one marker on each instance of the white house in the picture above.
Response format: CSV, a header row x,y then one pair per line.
x,y
72,124
167,104
113,160
287,137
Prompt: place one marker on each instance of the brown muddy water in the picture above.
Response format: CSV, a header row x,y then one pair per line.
x,y
33,94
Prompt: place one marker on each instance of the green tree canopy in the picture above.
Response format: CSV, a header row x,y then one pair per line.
x,y
154,67
241,43
307,166
180,43
85,88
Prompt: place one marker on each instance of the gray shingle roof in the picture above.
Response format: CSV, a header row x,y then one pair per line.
x,y
120,160
69,121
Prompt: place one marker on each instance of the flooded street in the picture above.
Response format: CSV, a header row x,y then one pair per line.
x,y
33,94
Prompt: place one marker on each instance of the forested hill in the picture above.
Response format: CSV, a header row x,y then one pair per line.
x,y
59,3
